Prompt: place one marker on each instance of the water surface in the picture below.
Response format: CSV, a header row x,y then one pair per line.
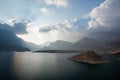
x,y
54,66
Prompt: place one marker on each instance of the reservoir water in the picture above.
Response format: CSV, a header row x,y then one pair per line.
x,y
54,66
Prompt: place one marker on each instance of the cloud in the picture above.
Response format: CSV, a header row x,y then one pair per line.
x,y
44,10
11,21
58,3
46,29
66,30
63,26
106,16
20,28
15,27
75,19
104,24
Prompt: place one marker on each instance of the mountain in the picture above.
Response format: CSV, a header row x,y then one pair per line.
x,y
113,47
87,44
96,41
59,45
35,47
10,42
32,46
103,37
88,57
83,44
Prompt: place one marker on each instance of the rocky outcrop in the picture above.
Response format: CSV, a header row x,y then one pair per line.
x,y
118,53
89,57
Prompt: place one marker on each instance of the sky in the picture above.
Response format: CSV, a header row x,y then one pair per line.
x,y
42,21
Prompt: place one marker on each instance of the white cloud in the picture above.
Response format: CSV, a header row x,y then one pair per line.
x,y
11,21
58,3
44,10
51,32
106,16
65,26
86,16
63,31
75,19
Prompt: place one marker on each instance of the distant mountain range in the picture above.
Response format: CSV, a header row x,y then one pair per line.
x,y
113,47
82,45
32,46
87,44
98,41
59,45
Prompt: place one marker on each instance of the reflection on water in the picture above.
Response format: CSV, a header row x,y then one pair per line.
x,y
33,66
48,66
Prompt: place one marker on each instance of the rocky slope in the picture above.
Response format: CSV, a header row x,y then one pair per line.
x,y
89,57
10,42
113,47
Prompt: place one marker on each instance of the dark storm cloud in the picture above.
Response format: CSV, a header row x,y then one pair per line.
x,y
20,28
45,30
17,28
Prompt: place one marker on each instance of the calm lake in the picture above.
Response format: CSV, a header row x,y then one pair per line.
x,y
54,66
